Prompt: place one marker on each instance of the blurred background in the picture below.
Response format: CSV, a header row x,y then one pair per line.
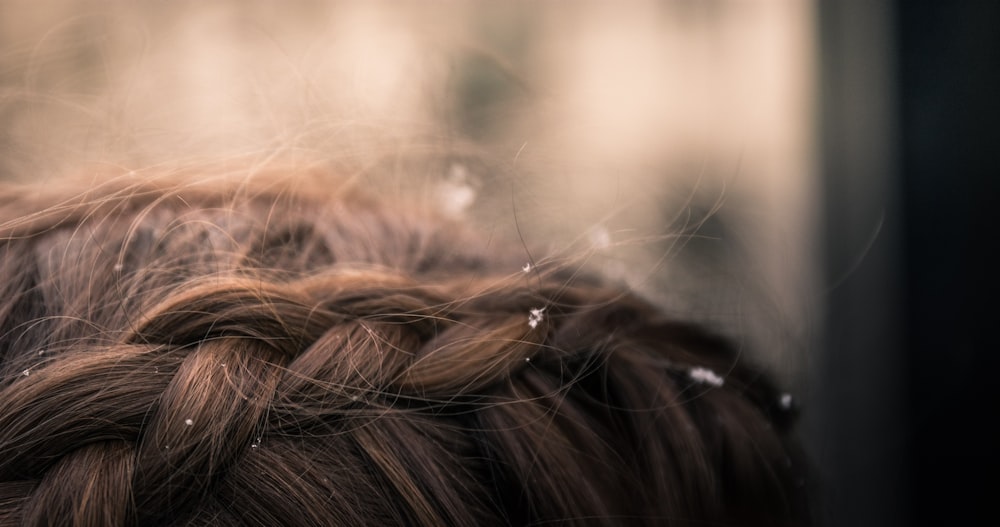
x,y
741,163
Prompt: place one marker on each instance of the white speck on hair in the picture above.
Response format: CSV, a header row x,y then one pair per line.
x,y
455,194
535,316
527,359
117,267
527,267
706,376
26,372
188,422
600,238
354,397
41,352
256,443
785,401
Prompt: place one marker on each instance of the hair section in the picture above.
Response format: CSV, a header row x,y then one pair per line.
x,y
292,352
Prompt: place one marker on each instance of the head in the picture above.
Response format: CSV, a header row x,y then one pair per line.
x,y
290,351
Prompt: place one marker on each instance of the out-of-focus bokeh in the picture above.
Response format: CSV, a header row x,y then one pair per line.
x,y
674,139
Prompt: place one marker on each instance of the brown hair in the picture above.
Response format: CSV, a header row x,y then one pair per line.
x,y
296,353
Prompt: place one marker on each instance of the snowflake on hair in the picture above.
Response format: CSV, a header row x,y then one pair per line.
x,y
706,376
535,316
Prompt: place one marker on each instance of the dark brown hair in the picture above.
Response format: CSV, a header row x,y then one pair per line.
x,y
292,352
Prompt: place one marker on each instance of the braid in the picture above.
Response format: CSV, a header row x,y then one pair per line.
x,y
253,354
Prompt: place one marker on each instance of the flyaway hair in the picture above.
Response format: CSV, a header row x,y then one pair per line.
x,y
289,351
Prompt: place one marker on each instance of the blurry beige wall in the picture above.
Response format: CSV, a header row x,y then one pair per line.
x,y
674,139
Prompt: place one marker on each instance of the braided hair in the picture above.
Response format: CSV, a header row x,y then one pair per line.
x,y
291,351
